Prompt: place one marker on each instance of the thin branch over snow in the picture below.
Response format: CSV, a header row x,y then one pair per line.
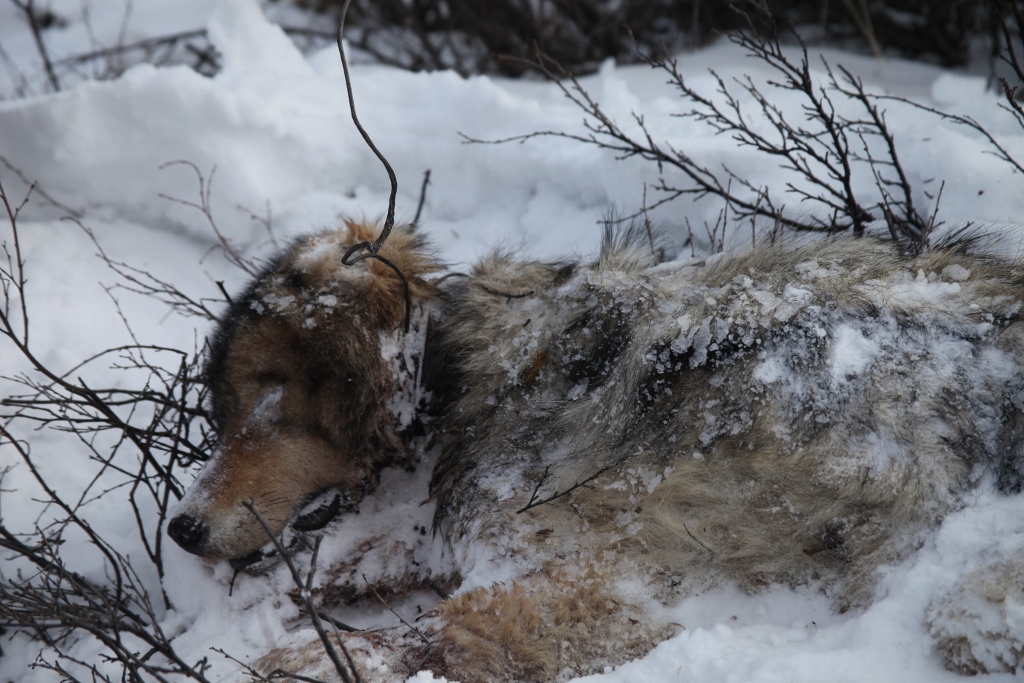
x,y
827,154
158,431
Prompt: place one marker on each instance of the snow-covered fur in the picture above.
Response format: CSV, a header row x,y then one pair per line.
x,y
613,436
979,626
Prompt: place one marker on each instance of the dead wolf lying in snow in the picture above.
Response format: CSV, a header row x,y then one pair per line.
x,y
619,432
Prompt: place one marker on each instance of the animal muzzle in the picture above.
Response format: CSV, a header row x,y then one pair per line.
x,y
313,516
261,483
193,534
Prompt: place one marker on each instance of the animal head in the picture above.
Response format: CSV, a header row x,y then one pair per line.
x,y
311,375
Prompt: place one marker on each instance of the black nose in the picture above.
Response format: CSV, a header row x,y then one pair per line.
x,y
189,533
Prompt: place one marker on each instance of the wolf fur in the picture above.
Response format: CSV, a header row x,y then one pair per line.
x,y
617,434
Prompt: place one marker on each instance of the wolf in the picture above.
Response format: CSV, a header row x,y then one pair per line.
x,y
605,438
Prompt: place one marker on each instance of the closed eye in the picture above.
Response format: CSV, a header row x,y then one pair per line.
x,y
267,408
270,379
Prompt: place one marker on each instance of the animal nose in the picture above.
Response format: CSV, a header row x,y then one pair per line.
x,y
188,532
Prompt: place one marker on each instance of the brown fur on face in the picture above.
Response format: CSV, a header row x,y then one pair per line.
x,y
300,388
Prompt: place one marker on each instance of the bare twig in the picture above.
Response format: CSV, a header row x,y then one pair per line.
x,y
38,190
347,675
234,256
139,281
423,198
1007,33
370,250
266,220
35,23
147,45
1000,151
534,501
400,617
697,540
275,675
337,623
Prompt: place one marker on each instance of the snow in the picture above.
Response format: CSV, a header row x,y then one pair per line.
x,y
271,136
852,353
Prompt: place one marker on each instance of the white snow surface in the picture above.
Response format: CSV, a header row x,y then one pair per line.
x,y
275,126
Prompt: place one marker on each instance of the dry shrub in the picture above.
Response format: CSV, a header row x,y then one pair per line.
x,y
478,36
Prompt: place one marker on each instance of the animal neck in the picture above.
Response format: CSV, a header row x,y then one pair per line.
x,y
421,368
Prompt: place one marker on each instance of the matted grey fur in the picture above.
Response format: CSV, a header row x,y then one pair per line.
x,y
619,433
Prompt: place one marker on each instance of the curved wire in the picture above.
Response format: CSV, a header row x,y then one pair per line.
x,y
389,222
371,249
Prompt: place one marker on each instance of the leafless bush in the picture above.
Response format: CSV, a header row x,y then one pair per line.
x,y
476,36
190,48
1008,50
140,439
105,62
842,157
495,36
157,429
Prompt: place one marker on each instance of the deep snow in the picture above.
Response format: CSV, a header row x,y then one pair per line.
x,y
275,126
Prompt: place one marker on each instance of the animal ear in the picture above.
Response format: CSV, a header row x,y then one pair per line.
x,y
386,294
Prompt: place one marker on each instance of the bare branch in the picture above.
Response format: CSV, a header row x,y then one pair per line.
x,y
819,151
423,198
305,593
400,617
234,256
37,189
535,501
35,23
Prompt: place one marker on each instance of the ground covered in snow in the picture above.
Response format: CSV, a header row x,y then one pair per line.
x,y
271,136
